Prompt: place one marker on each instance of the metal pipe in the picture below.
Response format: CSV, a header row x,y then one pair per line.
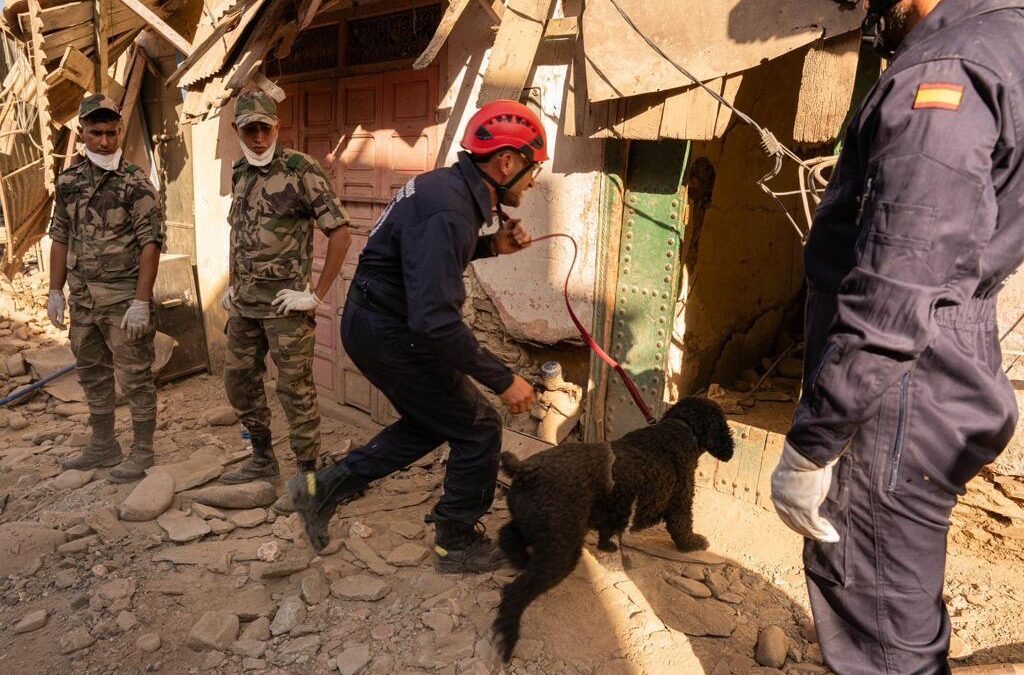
x,y
24,391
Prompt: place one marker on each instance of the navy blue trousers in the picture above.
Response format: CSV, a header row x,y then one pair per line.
x,y
876,595
437,404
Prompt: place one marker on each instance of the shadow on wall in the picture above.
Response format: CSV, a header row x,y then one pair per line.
x,y
746,20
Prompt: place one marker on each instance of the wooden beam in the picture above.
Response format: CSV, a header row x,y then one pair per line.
x,y
444,29
307,11
562,29
45,131
159,25
132,88
515,48
61,16
209,55
100,28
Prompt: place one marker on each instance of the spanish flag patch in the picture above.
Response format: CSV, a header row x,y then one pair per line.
x,y
940,96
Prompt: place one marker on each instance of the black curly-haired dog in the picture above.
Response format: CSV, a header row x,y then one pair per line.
x,y
560,494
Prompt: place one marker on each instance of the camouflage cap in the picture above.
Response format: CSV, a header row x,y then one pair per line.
x,y
91,104
255,106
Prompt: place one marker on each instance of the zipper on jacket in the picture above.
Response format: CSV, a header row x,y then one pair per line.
x,y
861,208
825,356
901,427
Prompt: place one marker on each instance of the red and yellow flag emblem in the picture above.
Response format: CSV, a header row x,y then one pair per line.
x,y
939,95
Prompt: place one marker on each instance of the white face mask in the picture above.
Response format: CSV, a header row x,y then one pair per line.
x,y
261,159
105,162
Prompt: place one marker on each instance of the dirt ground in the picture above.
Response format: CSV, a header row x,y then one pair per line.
x,y
212,589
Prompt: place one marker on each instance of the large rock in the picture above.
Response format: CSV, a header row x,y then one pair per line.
x,y
16,421
214,630
245,496
360,587
23,542
73,479
257,631
181,528
202,467
71,409
314,587
248,518
407,555
31,621
221,416
151,497
148,642
772,647
15,365
290,614
360,549
104,522
73,640
353,659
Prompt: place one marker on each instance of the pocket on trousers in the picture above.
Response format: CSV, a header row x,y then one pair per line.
x,y
829,561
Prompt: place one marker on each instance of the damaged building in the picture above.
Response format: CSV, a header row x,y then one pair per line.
x,y
688,268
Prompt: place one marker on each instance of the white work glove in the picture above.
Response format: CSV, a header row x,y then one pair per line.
x,y
799,488
136,320
55,307
289,300
227,301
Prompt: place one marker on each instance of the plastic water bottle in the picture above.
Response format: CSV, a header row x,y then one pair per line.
x,y
246,439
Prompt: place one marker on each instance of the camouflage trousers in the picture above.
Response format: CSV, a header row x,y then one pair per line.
x,y
290,341
102,351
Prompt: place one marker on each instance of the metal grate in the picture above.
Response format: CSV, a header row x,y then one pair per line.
x,y
391,37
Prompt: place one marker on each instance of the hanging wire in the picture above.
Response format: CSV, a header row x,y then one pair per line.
x,y
774,148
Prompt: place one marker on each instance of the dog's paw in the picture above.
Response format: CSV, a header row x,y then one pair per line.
x,y
692,542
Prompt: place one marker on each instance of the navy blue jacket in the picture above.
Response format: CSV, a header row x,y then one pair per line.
x,y
415,258
924,215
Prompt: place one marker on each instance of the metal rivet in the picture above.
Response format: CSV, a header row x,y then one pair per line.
x,y
668,268
624,289
657,357
661,333
629,223
634,289
663,308
619,335
643,291
660,345
661,320
629,247
668,279
629,235
671,242
675,202
669,254
627,259
672,216
664,296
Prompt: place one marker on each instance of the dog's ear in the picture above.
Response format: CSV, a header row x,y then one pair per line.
x,y
721,445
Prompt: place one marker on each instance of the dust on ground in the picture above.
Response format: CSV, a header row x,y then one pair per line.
x,y
206,588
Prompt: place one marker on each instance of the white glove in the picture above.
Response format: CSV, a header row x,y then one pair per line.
x,y
55,307
288,300
227,301
799,487
136,320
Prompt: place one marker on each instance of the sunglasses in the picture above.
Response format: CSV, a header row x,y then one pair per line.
x,y
536,168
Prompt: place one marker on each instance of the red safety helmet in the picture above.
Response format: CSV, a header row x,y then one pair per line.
x,y
506,124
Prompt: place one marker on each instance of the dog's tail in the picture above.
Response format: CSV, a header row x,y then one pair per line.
x,y
514,467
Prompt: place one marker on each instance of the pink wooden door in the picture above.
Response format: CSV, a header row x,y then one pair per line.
x,y
388,133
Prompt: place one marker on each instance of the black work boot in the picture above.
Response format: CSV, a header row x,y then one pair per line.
x,y
141,457
315,496
103,448
459,548
260,466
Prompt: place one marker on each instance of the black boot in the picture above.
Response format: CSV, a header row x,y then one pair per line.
x,y
141,457
262,464
459,548
315,496
103,448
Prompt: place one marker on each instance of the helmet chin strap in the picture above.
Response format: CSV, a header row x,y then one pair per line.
x,y
875,25
503,188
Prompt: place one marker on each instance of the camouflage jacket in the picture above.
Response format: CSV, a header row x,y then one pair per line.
x,y
272,208
105,218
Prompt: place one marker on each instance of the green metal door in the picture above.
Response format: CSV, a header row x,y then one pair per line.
x,y
654,206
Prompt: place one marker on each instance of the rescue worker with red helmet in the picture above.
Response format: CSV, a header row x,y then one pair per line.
x,y
403,328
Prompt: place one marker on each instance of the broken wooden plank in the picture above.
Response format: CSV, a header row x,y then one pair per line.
x,y
826,89
66,85
159,25
307,11
61,16
515,48
643,117
45,130
101,28
133,86
444,29
272,24
207,58
566,28
74,66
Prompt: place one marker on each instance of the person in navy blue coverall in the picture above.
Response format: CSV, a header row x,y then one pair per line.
x,y
905,399
403,328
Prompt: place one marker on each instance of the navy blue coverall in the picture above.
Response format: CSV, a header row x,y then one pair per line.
x,y
920,226
403,328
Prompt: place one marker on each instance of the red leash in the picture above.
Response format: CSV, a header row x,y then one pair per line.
x,y
589,339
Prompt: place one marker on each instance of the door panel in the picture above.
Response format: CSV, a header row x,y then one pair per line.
x,y
388,134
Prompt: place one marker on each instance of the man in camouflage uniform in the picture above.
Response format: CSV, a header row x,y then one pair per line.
x,y
107,231
277,195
